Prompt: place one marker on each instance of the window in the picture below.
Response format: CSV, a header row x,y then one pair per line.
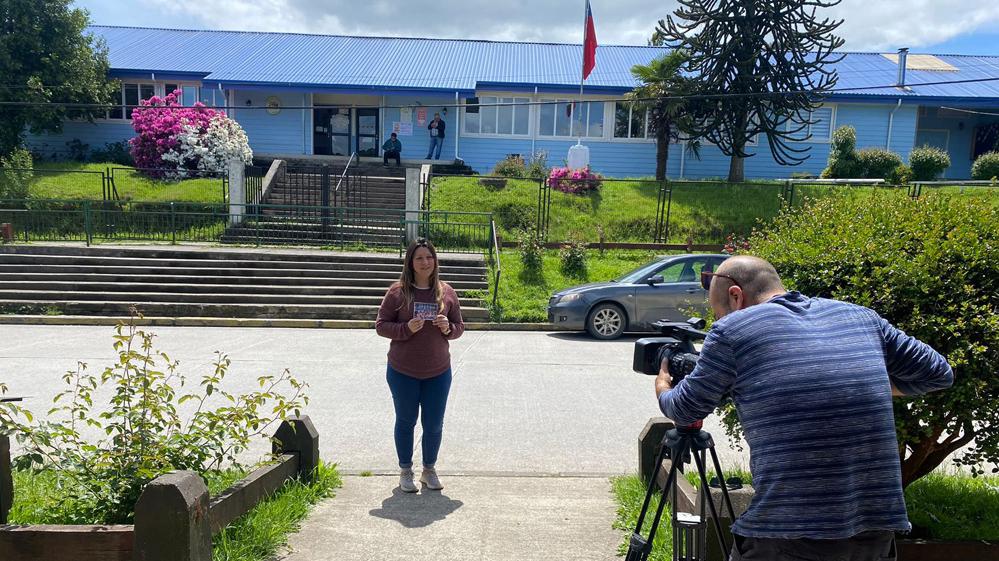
x,y
497,115
129,98
563,117
820,130
630,121
684,271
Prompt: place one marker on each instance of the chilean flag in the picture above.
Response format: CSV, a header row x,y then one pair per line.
x,y
589,44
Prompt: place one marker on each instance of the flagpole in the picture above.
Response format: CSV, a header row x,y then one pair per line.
x,y
582,66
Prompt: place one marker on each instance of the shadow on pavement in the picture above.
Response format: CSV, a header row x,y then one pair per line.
x,y
416,510
583,337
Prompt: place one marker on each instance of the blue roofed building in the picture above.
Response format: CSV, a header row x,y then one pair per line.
x,y
304,96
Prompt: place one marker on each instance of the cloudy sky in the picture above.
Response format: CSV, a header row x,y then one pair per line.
x,y
940,26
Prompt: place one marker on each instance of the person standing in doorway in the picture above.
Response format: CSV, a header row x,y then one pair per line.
x,y
436,128
421,315
392,149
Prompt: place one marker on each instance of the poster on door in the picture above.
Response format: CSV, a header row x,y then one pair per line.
x,y
406,115
421,116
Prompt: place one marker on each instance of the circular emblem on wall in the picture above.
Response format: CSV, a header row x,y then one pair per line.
x,y
273,105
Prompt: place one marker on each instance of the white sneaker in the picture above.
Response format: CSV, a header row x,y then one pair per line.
x,y
430,479
406,482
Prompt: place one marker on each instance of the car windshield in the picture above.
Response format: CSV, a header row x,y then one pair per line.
x,y
640,273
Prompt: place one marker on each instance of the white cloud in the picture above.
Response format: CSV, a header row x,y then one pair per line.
x,y
870,24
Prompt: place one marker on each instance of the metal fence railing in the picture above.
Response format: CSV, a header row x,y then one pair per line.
x,y
252,224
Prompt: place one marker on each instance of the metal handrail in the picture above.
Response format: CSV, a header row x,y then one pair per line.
x,y
496,258
344,174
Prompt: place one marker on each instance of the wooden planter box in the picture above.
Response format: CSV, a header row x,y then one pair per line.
x,y
170,515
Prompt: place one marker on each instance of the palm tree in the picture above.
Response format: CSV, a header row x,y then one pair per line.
x,y
661,82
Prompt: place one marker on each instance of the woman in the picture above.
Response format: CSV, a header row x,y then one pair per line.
x,y
420,314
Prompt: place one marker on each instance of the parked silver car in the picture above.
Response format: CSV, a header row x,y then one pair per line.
x,y
668,288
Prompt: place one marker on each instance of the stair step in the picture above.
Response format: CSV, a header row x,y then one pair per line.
x,y
181,309
203,297
292,284
222,271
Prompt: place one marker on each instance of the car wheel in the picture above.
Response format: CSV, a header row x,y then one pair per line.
x,y
606,321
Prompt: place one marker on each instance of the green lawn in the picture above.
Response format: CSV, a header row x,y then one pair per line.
x,y
255,536
74,180
523,298
625,211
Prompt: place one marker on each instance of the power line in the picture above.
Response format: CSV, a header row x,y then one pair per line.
x,y
82,106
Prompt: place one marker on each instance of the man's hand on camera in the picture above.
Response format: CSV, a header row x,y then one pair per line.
x,y
664,382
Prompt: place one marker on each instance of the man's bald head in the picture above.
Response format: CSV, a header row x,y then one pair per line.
x,y
757,277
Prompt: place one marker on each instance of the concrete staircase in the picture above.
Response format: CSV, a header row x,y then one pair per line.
x,y
213,282
367,209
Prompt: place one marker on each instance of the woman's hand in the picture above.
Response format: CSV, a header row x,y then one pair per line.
x,y
415,324
443,324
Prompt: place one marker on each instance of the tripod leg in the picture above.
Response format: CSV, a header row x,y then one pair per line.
x,y
724,488
639,547
711,503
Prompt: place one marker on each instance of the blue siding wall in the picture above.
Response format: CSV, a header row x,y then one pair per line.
x,y
284,133
96,135
415,147
954,132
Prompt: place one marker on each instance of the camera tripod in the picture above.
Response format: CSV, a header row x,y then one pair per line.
x,y
689,530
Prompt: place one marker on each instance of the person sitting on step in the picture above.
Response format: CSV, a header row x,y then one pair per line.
x,y
392,148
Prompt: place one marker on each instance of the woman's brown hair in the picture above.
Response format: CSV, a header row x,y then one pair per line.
x,y
408,278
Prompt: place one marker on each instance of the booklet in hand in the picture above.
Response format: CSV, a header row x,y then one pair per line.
x,y
425,310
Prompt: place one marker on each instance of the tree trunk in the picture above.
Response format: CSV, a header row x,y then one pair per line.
x,y
737,170
928,453
662,155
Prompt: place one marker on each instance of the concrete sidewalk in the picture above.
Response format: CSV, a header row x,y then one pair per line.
x,y
520,518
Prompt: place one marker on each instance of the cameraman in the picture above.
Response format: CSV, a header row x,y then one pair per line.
x,y
812,381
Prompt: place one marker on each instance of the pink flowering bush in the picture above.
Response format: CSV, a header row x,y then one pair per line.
x,y
172,140
577,181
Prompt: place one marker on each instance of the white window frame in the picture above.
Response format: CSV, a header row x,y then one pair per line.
x,y
816,140
633,139
181,85
516,108
548,99
157,88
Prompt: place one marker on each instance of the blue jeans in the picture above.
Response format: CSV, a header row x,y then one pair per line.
x,y
438,142
410,396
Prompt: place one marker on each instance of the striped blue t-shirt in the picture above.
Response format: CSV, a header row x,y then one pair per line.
x,y
810,381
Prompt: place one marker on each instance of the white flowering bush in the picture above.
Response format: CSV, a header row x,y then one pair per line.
x,y
211,150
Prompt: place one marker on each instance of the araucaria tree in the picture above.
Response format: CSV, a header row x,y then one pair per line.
x,y
660,93
762,66
46,56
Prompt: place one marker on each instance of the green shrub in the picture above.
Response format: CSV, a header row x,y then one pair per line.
x,y
878,163
77,150
928,163
511,166
929,266
15,174
141,433
843,162
572,259
986,167
538,168
516,216
531,252
901,175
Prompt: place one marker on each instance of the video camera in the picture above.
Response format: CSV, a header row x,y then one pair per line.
x,y
676,346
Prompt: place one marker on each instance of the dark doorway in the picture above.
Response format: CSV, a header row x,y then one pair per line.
x,y
331,131
367,132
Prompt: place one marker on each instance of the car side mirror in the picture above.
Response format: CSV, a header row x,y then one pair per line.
x,y
656,279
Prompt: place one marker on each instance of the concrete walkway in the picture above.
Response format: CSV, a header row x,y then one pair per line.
x,y
536,425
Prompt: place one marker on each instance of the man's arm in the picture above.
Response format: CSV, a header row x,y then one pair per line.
x,y
914,368
697,395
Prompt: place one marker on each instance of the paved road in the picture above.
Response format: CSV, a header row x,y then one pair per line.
x,y
536,423
534,403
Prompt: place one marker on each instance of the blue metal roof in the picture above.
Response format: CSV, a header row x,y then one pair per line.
x,y
335,62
